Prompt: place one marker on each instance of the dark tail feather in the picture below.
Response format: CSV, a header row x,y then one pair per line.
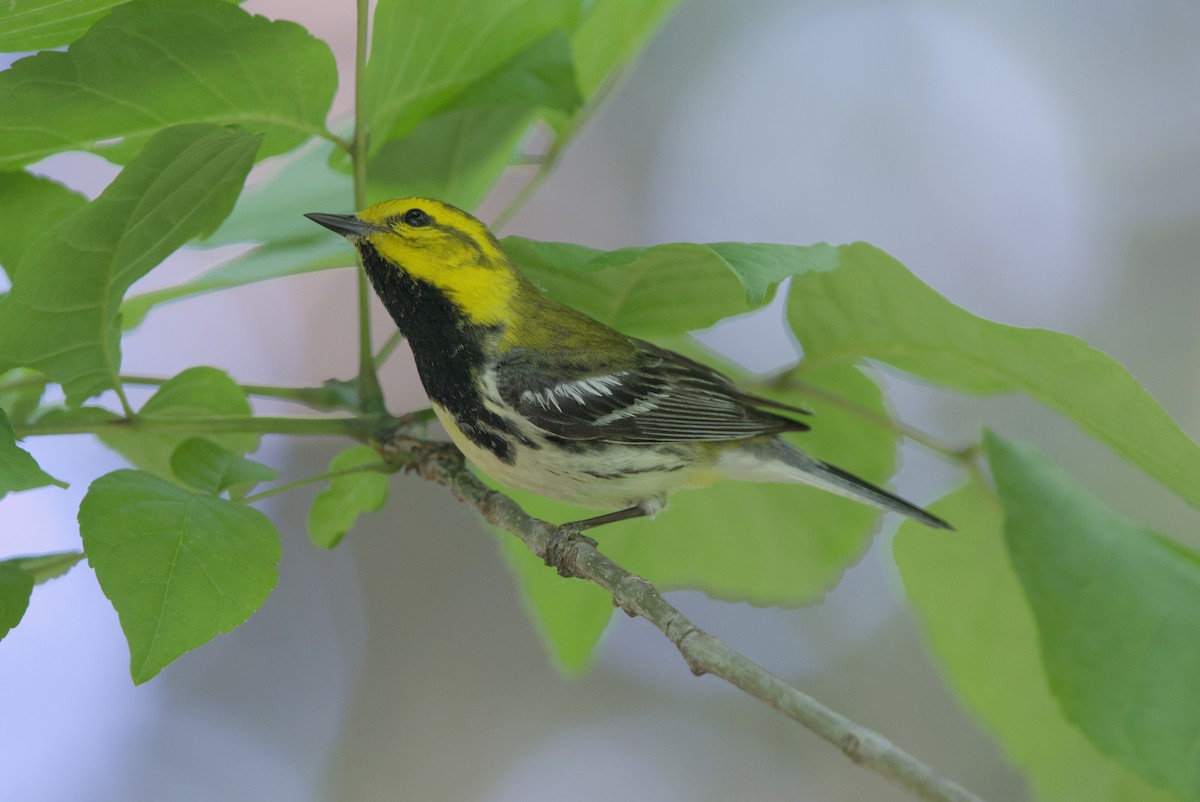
x,y
790,463
863,490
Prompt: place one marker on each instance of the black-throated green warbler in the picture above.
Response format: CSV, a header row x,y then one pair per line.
x,y
547,399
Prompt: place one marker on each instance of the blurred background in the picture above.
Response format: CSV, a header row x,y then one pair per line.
x,y
1038,163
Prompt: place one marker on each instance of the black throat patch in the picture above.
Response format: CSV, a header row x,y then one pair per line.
x,y
447,348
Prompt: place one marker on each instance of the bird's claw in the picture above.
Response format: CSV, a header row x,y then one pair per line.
x,y
556,546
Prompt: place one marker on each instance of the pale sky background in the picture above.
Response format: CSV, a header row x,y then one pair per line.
x,y
1038,163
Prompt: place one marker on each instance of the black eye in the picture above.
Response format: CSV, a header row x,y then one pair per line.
x,y
416,218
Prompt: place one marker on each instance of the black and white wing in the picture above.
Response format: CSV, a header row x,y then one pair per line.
x,y
660,397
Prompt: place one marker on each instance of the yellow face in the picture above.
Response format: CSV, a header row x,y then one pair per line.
x,y
446,247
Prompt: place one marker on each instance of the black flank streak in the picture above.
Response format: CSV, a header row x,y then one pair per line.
x,y
525,441
633,471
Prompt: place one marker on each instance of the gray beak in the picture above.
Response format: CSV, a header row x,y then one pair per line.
x,y
345,224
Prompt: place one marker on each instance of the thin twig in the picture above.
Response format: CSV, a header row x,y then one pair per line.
x,y
361,427
377,467
548,161
370,394
929,441
545,166
388,347
324,397
704,653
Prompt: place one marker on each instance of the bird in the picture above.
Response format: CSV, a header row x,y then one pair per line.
x,y
545,398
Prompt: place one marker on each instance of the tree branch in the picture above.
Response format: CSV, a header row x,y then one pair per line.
x,y
704,653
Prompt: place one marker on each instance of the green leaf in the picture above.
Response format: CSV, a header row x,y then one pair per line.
x,y
540,77
39,204
456,156
264,263
665,289
179,567
199,392
28,25
458,153
978,625
18,470
206,466
15,587
777,544
337,507
24,394
180,61
61,316
1118,615
18,575
871,306
611,34
44,567
272,210
425,55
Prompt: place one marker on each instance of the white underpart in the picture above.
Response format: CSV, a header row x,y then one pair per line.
x,y
570,476
748,466
747,463
653,506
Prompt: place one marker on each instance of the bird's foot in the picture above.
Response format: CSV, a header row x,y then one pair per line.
x,y
556,546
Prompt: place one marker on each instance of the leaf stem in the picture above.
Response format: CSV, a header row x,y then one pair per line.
x,y
339,141
381,467
356,426
124,399
388,348
885,421
316,397
545,166
549,160
370,394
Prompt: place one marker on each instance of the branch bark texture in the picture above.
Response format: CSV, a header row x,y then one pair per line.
x,y
704,653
